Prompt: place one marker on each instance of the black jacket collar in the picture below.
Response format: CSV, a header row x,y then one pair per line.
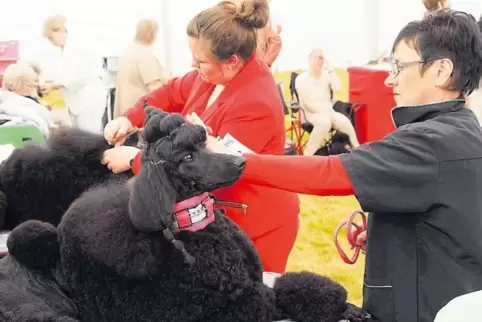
x,y
403,115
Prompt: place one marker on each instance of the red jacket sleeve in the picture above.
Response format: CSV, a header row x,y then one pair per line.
x,y
136,163
314,175
250,125
171,98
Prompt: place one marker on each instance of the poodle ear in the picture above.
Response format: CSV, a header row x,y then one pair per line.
x,y
306,296
152,199
3,208
34,244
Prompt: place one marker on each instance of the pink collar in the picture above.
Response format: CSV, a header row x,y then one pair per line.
x,y
195,213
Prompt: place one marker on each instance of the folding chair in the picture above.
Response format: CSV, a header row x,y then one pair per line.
x,y
292,109
18,135
344,108
281,95
296,131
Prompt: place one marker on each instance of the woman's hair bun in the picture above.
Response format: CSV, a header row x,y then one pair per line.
x,y
253,13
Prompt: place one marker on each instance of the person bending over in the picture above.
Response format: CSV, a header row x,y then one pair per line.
x,y
235,94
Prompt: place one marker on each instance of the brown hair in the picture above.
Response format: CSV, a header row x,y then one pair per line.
x,y
146,30
432,5
229,28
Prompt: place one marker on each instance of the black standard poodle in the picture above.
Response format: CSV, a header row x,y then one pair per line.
x,y
155,249
41,181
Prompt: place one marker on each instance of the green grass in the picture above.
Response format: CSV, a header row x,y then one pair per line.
x,y
315,250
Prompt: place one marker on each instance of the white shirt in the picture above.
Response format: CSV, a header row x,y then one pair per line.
x,y
314,92
77,70
23,110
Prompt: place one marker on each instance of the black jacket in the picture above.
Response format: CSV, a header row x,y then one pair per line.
x,y
423,186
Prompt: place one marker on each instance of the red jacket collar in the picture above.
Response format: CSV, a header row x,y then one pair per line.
x,y
252,68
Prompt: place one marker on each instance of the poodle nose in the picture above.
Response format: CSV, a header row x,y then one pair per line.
x,y
239,163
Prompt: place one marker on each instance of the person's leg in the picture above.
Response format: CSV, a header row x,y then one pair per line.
x,y
321,127
342,123
275,246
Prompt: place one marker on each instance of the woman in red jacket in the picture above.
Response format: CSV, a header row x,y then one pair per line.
x,y
234,93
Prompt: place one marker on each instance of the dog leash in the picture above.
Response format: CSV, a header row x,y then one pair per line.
x,y
231,204
353,231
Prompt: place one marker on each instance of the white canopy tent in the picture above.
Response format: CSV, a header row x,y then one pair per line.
x,y
350,31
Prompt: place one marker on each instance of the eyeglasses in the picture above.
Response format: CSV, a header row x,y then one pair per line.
x,y
397,67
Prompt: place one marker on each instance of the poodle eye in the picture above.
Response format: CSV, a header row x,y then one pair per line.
x,y
188,157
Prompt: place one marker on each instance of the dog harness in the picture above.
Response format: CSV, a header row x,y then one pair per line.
x,y
195,213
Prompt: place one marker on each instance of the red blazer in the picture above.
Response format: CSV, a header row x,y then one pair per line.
x,y
250,110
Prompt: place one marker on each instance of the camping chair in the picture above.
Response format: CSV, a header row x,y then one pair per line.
x,y
18,135
344,108
299,126
292,109
281,95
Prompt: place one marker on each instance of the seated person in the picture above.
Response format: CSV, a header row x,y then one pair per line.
x,y
313,89
19,100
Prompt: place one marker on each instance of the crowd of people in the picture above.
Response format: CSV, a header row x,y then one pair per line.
x,y
423,246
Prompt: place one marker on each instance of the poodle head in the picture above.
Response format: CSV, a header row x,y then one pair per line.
x,y
177,149
177,169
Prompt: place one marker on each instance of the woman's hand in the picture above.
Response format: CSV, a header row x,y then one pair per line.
x,y
48,87
118,159
278,29
362,238
116,131
212,144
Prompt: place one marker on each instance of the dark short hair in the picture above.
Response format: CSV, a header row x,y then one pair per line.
x,y
449,34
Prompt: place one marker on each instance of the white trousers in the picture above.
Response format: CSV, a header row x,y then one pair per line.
x,y
89,119
323,122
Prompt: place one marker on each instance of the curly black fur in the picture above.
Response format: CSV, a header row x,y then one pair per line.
x,y
338,144
30,287
40,182
120,265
